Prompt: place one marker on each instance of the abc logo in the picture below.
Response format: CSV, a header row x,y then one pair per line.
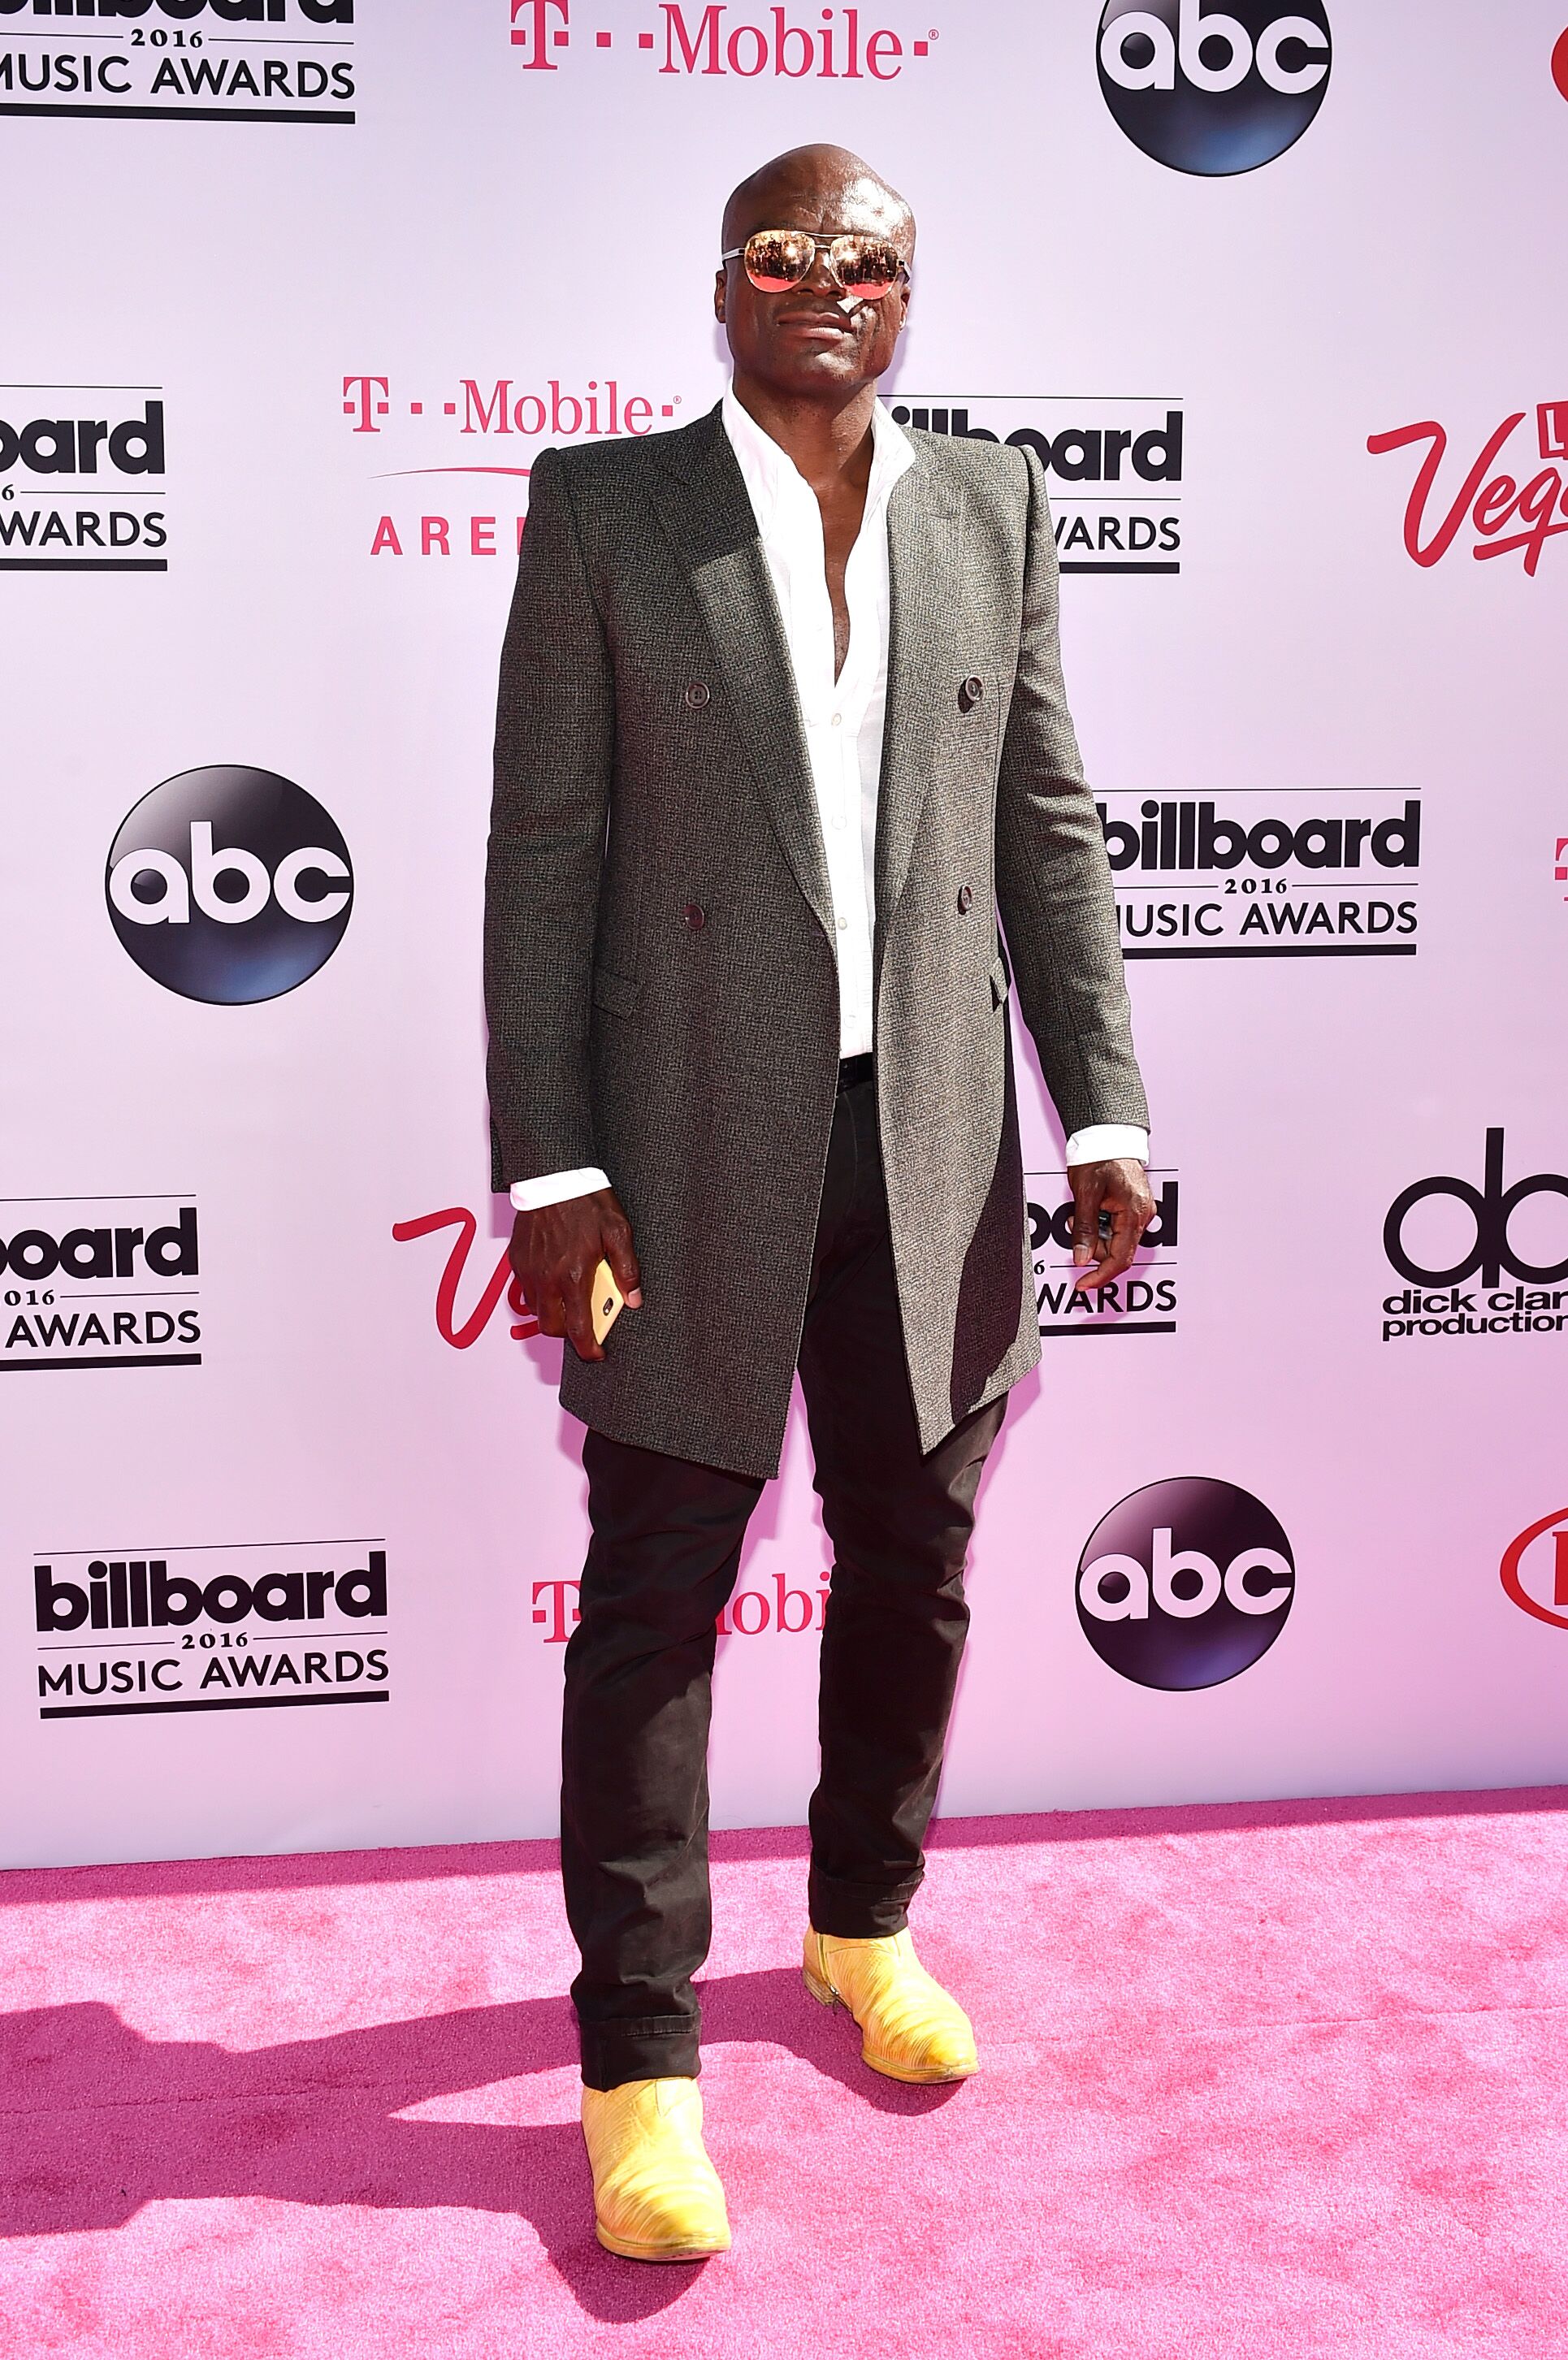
x,y
1213,90
1185,1584
230,885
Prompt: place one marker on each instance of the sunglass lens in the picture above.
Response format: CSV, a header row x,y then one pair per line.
x,y
776,259
866,267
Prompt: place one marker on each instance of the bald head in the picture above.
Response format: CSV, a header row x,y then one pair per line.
x,y
818,187
813,341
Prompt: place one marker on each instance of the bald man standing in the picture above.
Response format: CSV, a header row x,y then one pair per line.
x,y
781,755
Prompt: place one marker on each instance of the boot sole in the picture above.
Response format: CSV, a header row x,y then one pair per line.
x,y
824,1997
629,2250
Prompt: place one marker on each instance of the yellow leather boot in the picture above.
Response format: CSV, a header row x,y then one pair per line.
x,y
910,2030
656,2196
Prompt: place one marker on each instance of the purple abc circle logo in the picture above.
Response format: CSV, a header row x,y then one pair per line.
x,y
230,885
1213,90
1185,1583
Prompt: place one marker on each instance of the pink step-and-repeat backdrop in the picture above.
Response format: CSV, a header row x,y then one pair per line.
x,y
296,292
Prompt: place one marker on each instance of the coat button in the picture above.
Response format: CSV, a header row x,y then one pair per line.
x,y
695,915
966,895
972,692
697,693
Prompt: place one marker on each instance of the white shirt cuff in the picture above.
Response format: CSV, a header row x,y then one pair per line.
x,y
1100,1142
554,1187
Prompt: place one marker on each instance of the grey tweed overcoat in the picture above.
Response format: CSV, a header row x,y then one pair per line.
x,y
660,968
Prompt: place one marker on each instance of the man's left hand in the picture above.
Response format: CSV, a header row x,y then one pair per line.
x,y
1120,1190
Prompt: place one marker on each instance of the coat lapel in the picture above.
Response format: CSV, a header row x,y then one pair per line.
x,y
703,501
923,551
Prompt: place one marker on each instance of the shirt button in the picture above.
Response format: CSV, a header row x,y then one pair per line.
x,y
838,819
838,721
843,924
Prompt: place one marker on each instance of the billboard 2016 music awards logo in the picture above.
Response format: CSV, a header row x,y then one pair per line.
x,y
1288,872
1508,519
710,38
1106,463
1212,91
196,61
1185,1583
224,1628
1488,1242
82,479
1142,1303
100,1282
516,415
230,885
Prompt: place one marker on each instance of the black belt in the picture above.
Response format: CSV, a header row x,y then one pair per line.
x,y
853,1071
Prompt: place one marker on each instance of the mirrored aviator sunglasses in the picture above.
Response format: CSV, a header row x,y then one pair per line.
x,y
777,259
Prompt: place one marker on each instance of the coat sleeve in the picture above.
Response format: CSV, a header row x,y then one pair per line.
x,y
554,732
1053,877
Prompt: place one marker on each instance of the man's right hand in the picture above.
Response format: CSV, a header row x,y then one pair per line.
x,y
555,1252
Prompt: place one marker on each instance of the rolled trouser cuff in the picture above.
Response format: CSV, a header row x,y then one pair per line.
x,y
646,2049
858,1913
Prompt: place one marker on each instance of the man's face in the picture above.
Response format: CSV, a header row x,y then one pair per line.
x,y
813,338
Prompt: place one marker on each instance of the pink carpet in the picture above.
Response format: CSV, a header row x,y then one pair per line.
x,y
1284,2080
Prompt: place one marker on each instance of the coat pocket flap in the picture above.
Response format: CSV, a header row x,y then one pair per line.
x,y
617,992
998,981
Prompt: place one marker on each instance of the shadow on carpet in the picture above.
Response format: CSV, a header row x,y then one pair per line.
x,y
110,2121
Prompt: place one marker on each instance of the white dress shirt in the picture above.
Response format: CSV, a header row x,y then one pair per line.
x,y
842,719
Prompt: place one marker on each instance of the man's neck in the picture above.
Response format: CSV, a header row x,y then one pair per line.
x,y
829,441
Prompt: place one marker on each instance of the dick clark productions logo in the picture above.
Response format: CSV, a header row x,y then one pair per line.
x,y
1490,1250
1211,91
230,885
1186,1583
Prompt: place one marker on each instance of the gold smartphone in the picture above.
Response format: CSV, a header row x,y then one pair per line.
x,y
608,1301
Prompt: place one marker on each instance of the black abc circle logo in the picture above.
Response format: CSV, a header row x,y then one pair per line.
x,y
1185,1583
1210,90
230,885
